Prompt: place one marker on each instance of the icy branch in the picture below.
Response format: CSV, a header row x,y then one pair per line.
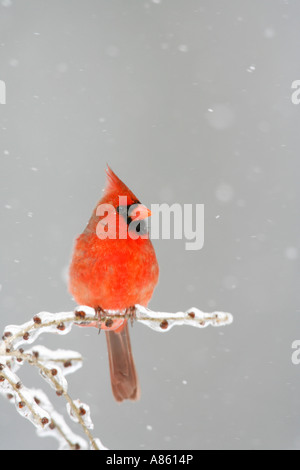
x,y
55,365
158,321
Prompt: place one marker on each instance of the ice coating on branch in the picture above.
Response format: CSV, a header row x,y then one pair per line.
x,y
58,427
68,361
161,321
24,398
83,410
54,376
44,322
32,411
88,311
55,365
158,321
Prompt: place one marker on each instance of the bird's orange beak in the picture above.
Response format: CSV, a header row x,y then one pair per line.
x,y
140,212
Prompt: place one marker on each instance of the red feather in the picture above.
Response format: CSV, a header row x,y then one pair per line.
x,y
114,274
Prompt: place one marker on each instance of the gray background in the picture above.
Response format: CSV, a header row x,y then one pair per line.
x,y
189,102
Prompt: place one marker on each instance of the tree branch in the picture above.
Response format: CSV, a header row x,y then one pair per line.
x,y
55,365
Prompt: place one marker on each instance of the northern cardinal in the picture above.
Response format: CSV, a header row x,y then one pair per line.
x,y
114,267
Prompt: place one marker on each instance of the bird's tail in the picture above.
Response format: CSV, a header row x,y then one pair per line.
x,y
124,379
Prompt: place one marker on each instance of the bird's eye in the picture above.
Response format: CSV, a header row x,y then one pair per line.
x,y
139,226
122,210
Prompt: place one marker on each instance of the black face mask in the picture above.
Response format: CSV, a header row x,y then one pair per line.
x,y
139,227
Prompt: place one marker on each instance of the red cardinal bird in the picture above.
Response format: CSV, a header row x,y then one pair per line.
x,y
114,267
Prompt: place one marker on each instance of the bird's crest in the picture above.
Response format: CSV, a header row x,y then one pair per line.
x,y
116,186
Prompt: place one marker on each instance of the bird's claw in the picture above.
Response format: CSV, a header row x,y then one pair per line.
x,y
130,313
100,316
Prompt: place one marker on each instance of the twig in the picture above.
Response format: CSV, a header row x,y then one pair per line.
x,y
54,365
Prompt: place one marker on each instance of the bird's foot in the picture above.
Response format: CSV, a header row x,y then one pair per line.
x,y
130,313
108,322
100,316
